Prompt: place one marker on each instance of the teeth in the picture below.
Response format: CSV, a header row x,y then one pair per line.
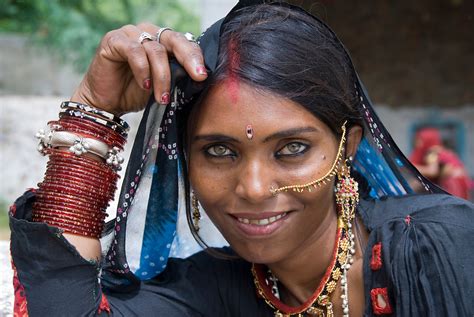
x,y
261,222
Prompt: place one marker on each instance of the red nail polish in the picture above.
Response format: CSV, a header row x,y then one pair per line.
x,y
165,98
147,84
201,70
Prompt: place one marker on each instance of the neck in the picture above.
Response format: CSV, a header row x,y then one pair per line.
x,y
300,273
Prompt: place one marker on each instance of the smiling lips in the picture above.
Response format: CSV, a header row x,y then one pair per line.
x,y
259,225
261,222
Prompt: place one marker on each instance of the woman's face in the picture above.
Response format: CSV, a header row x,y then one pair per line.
x,y
232,174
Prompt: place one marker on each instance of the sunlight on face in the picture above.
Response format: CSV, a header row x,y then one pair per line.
x,y
232,174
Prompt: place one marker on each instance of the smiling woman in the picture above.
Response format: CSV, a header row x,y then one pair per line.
x,y
281,152
272,135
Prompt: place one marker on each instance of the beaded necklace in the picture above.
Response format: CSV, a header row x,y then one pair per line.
x,y
319,304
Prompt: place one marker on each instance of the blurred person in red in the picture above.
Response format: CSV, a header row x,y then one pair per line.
x,y
439,164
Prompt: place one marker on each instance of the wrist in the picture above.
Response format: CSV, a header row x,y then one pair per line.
x,y
83,95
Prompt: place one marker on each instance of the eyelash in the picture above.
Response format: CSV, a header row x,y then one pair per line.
x,y
232,154
301,152
208,148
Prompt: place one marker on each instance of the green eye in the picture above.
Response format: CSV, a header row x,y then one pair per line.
x,y
293,148
219,150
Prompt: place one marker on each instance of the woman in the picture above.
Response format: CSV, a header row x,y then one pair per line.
x,y
439,164
265,137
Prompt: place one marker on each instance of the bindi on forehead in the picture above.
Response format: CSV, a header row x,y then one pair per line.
x,y
232,82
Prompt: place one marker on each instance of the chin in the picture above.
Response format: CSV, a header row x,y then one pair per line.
x,y
258,252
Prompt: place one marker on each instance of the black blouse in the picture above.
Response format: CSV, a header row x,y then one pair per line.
x,y
419,258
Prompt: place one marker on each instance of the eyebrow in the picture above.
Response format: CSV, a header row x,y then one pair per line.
x,y
290,133
215,138
277,135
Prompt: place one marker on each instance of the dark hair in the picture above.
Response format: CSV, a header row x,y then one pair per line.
x,y
286,52
290,53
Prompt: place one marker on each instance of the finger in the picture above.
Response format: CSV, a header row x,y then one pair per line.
x,y
160,69
127,45
188,53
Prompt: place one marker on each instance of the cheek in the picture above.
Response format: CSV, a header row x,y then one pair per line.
x,y
315,166
210,183
206,177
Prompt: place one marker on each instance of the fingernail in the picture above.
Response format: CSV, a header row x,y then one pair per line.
x,y
165,98
201,70
147,84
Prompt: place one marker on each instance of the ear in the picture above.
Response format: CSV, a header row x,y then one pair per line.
x,y
353,139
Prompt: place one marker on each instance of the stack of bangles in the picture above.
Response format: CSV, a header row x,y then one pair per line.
x,y
81,174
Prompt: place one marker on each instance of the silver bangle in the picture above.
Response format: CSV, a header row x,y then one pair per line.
x,y
79,145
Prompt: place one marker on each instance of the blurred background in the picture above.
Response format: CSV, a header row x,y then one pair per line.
x,y
413,56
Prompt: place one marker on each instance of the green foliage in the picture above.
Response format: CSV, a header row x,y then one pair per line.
x,y
3,216
73,28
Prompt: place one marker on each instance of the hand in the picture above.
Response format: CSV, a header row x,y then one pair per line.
x,y
123,72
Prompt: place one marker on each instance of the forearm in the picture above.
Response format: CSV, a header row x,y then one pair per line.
x,y
81,173
88,248
52,278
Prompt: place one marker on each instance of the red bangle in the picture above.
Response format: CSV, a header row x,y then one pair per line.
x,y
86,212
83,230
59,198
58,162
104,170
84,218
56,154
39,210
68,218
92,126
65,168
98,122
92,172
87,191
78,181
114,138
69,199
76,190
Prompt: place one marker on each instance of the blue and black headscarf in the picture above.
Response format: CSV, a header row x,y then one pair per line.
x,y
150,215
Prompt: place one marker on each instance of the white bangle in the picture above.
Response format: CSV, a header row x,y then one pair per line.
x,y
79,145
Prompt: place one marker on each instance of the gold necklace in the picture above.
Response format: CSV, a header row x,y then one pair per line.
x,y
319,304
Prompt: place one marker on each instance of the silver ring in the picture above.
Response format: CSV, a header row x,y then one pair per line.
x,y
190,37
160,31
145,36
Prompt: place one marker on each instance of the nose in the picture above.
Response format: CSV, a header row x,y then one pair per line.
x,y
254,182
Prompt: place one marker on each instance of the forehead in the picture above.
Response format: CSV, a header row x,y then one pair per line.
x,y
230,106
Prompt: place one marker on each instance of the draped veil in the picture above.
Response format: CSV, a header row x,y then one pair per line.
x,y
150,224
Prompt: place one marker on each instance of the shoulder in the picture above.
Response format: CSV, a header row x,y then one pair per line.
x,y
216,263
217,283
439,208
216,269
420,252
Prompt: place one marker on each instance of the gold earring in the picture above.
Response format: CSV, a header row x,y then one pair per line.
x,y
347,193
196,213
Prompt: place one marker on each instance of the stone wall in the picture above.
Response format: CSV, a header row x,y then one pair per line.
x,y
26,69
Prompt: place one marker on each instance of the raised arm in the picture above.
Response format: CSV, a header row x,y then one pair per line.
x,y
123,74
56,229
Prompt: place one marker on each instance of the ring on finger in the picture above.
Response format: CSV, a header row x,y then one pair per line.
x,y
190,37
145,36
160,31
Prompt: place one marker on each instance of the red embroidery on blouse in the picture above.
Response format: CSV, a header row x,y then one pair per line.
x,y
12,210
20,308
376,261
408,220
380,301
104,305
